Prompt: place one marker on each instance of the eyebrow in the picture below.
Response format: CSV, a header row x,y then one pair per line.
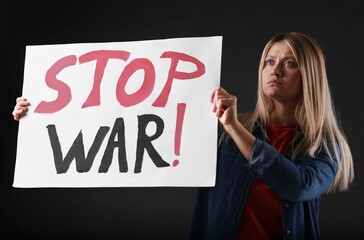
x,y
286,57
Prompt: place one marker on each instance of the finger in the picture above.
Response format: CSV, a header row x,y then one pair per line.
x,y
213,100
18,99
19,111
219,113
219,100
218,91
220,107
225,103
212,96
20,107
17,114
22,104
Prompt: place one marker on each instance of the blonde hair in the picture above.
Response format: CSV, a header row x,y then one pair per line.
x,y
315,112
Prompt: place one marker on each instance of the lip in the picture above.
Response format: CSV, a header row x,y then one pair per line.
x,y
274,82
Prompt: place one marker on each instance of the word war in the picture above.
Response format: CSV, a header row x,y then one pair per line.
x,y
116,140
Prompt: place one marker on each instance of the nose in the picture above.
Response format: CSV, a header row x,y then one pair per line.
x,y
276,72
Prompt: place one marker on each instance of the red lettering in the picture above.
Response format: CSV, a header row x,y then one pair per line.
x,y
64,91
145,90
101,57
162,99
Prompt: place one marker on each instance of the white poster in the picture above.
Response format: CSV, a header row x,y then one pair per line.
x,y
119,114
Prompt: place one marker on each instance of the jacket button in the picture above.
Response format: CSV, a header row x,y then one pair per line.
x,y
286,205
288,232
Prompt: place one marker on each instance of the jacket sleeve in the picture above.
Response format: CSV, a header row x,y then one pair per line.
x,y
305,179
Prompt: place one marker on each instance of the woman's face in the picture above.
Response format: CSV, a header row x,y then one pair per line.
x,y
281,77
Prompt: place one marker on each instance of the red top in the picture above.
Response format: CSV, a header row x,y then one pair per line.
x,y
262,216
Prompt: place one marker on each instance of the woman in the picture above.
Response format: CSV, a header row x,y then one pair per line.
x,y
275,163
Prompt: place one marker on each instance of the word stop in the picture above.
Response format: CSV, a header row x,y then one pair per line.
x,y
101,57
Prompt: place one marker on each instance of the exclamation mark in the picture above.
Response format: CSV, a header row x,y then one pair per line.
x,y
181,107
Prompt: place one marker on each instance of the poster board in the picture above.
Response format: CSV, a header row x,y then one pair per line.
x,y
119,114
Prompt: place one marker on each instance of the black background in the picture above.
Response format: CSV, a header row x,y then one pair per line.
x,y
164,213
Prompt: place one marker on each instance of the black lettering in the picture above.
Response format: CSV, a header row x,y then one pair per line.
x,y
145,142
76,151
119,131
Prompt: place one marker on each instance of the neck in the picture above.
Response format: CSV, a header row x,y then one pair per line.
x,y
283,114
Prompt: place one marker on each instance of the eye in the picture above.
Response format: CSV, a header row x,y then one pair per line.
x,y
290,64
269,62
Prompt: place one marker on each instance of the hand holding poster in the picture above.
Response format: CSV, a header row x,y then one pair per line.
x,y
119,114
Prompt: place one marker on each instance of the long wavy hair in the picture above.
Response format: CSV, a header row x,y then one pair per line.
x,y
315,112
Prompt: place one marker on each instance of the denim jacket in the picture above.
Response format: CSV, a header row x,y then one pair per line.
x,y
300,185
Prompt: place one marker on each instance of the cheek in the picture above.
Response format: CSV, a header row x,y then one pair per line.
x,y
299,82
267,91
297,88
264,81
265,75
